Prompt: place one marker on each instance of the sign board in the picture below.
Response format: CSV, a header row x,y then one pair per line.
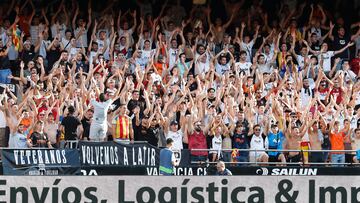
x,y
225,189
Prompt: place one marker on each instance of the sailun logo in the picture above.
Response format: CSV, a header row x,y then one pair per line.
x,y
287,171
262,171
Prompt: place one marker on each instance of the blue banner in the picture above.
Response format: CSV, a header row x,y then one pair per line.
x,y
41,162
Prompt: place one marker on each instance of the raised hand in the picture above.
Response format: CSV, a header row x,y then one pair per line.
x,y
243,25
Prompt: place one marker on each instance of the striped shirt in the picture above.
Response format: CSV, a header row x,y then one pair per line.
x,y
122,127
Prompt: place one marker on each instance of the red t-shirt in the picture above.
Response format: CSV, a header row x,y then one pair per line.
x,y
198,141
338,93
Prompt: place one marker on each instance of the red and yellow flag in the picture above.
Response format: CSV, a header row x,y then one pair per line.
x,y
16,33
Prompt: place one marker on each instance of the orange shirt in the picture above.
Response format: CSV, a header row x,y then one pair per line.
x,y
26,122
160,68
247,89
337,142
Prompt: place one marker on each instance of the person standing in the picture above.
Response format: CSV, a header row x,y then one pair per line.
x,y
122,128
167,159
99,126
337,143
69,126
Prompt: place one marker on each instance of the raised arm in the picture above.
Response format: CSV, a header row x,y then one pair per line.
x,y
74,18
133,14
89,16
344,48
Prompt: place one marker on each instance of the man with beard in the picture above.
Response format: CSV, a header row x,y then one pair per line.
x,y
306,92
197,139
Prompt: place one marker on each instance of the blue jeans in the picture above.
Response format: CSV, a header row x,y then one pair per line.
x,y
337,158
226,156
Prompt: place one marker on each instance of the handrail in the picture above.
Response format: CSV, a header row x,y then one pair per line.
x,y
302,151
277,150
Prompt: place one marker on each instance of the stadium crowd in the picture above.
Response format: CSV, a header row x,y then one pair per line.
x,y
219,76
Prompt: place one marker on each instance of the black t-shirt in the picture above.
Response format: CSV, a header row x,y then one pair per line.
x,y
152,135
4,60
139,131
339,43
52,56
70,123
28,55
316,46
39,139
86,125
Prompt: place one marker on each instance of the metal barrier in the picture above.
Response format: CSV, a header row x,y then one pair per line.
x,y
74,144
280,163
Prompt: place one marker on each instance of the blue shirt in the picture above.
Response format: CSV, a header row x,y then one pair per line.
x,y
275,142
166,166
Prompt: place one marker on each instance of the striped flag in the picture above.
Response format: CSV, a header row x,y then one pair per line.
x,y
16,33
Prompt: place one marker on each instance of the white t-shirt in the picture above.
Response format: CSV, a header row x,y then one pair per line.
x,y
173,55
2,120
54,30
146,54
34,32
248,49
43,46
265,68
216,144
17,140
243,66
301,60
73,51
177,137
101,45
317,31
130,32
257,143
202,68
100,111
83,37
66,43
222,69
306,97
327,60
